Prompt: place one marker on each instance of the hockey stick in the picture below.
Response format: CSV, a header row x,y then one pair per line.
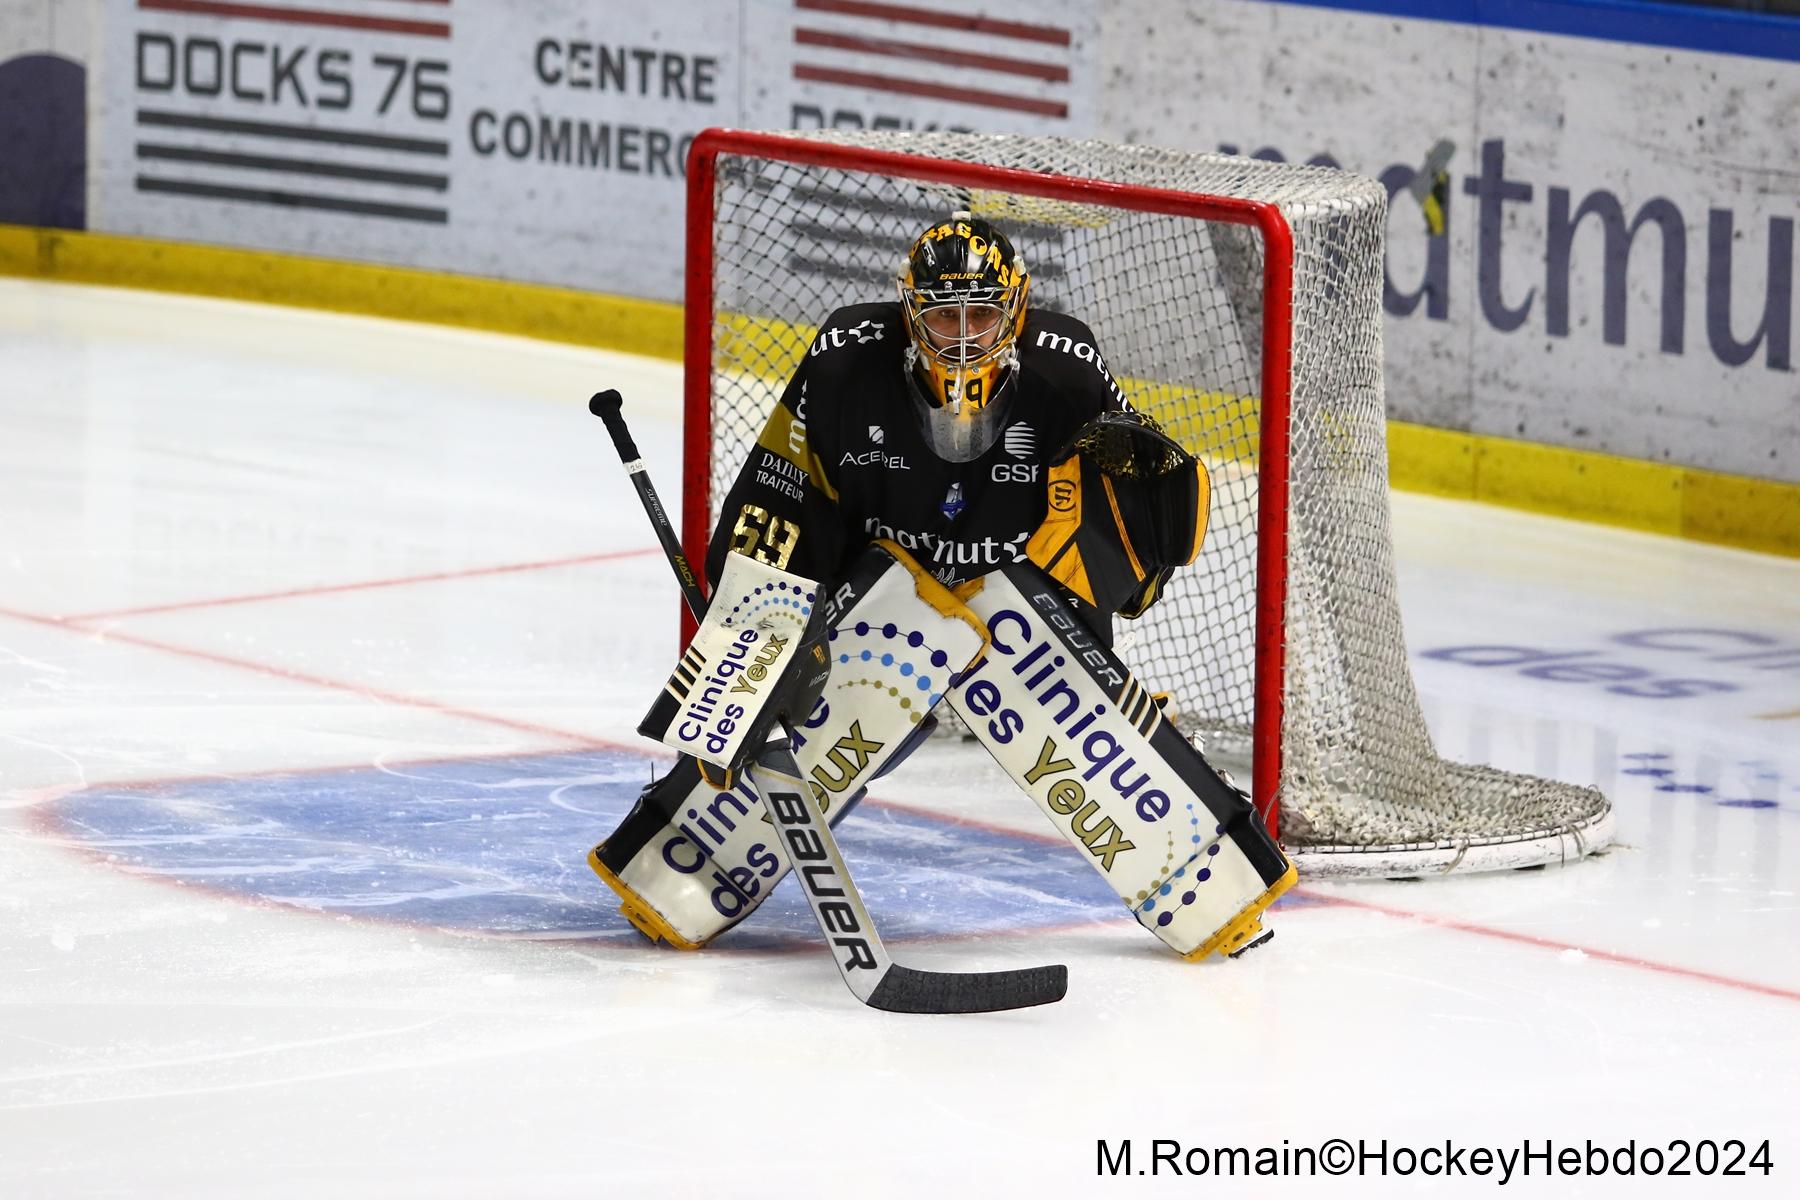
x,y
863,962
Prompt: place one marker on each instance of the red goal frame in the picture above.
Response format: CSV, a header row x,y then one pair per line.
x,y
1277,338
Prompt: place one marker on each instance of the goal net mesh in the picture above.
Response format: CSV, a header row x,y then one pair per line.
x,y
1177,304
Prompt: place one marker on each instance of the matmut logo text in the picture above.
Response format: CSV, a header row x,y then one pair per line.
x,y
943,551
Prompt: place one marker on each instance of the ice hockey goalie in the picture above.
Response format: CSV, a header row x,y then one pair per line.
x,y
955,479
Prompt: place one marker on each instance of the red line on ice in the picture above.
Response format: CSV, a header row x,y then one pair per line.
x,y
580,739
328,588
1544,943
354,689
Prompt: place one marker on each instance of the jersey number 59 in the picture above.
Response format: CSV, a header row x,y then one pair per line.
x,y
764,536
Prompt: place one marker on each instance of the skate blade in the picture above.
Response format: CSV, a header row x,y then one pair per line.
x,y
1245,930
643,918
1265,936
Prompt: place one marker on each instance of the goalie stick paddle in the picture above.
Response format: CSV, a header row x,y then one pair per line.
x,y
867,970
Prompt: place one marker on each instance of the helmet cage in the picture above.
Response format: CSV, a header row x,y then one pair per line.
x,y
965,337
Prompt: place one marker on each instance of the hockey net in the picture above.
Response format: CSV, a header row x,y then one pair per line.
x,y
1239,303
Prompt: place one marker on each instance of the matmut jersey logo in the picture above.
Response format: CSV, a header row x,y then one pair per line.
x,y
860,334
941,551
1086,353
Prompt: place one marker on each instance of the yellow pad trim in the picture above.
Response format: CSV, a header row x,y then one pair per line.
x,y
1137,568
1244,927
1202,509
1052,544
644,919
939,597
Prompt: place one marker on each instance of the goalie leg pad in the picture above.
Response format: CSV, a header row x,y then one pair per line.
x,y
1181,845
758,656
691,860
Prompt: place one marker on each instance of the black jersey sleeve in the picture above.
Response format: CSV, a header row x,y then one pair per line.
x,y
783,507
1064,354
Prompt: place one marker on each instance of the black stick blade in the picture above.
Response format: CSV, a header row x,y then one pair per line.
x,y
905,990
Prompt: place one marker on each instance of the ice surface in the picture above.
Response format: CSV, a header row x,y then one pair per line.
x,y
322,641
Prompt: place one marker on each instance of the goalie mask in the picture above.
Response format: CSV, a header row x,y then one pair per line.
x,y
963,291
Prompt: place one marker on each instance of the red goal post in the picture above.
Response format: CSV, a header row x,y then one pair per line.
x,y
1192,269
697,497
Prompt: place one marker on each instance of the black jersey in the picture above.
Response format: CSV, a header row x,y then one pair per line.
x,y
843,459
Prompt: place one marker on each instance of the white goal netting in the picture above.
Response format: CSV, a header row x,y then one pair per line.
x,y
1185,320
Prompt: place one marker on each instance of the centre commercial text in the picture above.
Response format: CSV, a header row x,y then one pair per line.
x,y
574,141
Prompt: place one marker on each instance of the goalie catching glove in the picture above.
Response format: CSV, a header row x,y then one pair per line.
x,y
1127,505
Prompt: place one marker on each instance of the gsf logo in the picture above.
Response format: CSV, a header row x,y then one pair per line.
x,y
1005,472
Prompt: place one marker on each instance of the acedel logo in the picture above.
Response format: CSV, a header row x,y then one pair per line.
x,y
875,458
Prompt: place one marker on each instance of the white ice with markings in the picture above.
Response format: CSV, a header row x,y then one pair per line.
x,y
322,643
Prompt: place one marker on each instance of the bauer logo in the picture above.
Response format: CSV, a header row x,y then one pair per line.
x,y
837,912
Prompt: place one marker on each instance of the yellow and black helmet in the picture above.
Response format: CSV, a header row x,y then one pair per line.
x,y
963,289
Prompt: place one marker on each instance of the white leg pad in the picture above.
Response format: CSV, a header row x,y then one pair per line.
x,y
690,861
1183,848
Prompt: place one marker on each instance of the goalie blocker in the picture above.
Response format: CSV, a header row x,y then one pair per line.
x,y
692,859
1181,845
